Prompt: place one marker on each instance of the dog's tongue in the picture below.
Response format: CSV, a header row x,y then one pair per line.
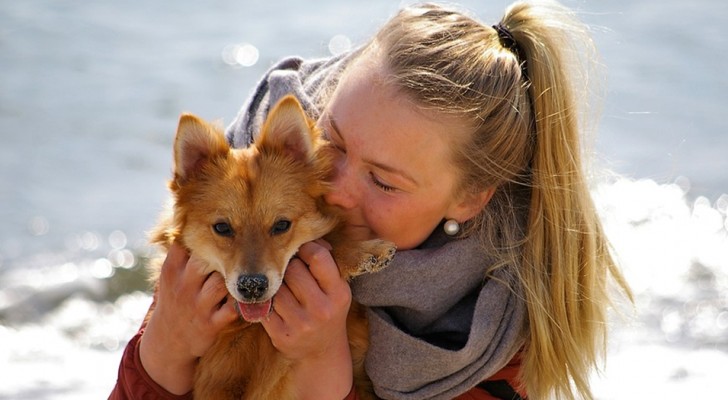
x,y
255,312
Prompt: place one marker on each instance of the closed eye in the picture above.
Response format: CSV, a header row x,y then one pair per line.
x,y
381,185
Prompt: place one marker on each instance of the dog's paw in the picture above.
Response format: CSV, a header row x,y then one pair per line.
x,y
376,255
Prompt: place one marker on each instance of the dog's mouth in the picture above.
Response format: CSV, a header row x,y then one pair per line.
x,y
255,312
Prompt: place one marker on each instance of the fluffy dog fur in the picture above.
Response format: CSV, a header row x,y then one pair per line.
x,y
245,212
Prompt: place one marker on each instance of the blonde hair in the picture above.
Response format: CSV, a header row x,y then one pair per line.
x,y
521,101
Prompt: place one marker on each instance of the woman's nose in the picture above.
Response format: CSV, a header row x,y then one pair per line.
x,y
343,192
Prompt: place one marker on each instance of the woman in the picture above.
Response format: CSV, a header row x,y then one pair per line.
x,y
459,142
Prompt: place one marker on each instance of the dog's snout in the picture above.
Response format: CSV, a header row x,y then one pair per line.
x,y
252,287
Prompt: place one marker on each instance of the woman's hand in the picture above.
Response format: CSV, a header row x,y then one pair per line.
x,y
191,308
308,324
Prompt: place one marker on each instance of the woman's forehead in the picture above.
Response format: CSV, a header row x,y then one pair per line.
x,y
386,127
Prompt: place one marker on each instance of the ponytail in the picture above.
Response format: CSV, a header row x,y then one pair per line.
x,y
566,260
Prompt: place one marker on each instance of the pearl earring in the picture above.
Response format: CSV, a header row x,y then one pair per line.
x,y
451,227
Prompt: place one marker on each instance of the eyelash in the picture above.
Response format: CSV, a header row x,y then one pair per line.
x,y
379,183
375,181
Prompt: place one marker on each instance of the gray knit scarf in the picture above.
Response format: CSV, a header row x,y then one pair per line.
x,y
438,326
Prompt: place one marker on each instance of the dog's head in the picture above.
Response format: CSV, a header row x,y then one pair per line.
x,y
247,211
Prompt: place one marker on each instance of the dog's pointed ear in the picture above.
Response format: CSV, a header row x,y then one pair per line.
x,y
287,129
196,143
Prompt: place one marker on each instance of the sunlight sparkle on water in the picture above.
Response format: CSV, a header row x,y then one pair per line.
x,y
339,44
123,258
39,225
674,254
658,236
241,55
117,240
102,269
89,241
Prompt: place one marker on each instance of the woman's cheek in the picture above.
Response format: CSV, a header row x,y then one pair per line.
x,y
383,222
371,217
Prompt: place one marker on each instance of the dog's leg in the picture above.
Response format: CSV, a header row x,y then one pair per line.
x,y
360,257
373,255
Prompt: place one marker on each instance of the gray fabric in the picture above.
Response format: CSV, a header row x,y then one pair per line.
x,y
293,75
438,327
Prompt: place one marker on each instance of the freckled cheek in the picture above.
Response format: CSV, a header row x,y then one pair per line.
x,y
382,219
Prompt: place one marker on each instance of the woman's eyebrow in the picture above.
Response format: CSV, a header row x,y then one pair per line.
x,y
385,167
334,127
392,170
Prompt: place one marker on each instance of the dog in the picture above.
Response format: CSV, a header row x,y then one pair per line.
x,y
245,212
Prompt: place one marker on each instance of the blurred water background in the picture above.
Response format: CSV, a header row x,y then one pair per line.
x,y
90,93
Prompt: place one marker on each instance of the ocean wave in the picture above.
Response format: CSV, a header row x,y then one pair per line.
x,y
674,254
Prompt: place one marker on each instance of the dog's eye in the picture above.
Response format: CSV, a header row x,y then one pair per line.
x,y
223,229
281,226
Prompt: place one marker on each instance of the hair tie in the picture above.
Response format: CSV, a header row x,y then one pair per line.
x,y
509,42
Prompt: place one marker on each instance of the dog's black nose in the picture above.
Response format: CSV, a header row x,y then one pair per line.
x,y
252,287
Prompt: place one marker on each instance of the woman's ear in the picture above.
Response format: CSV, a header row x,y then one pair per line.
x,y
470,205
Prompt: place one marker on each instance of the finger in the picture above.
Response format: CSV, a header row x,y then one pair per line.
x,y
324,243
286,305
215,301
322,266
195,274
226,313
174,263
213,291
301,283
274,325
285,308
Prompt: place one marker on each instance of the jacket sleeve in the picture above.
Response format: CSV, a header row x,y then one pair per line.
x,y
133,382
352,395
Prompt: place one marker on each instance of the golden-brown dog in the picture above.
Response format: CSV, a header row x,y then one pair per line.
x,y
245,212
